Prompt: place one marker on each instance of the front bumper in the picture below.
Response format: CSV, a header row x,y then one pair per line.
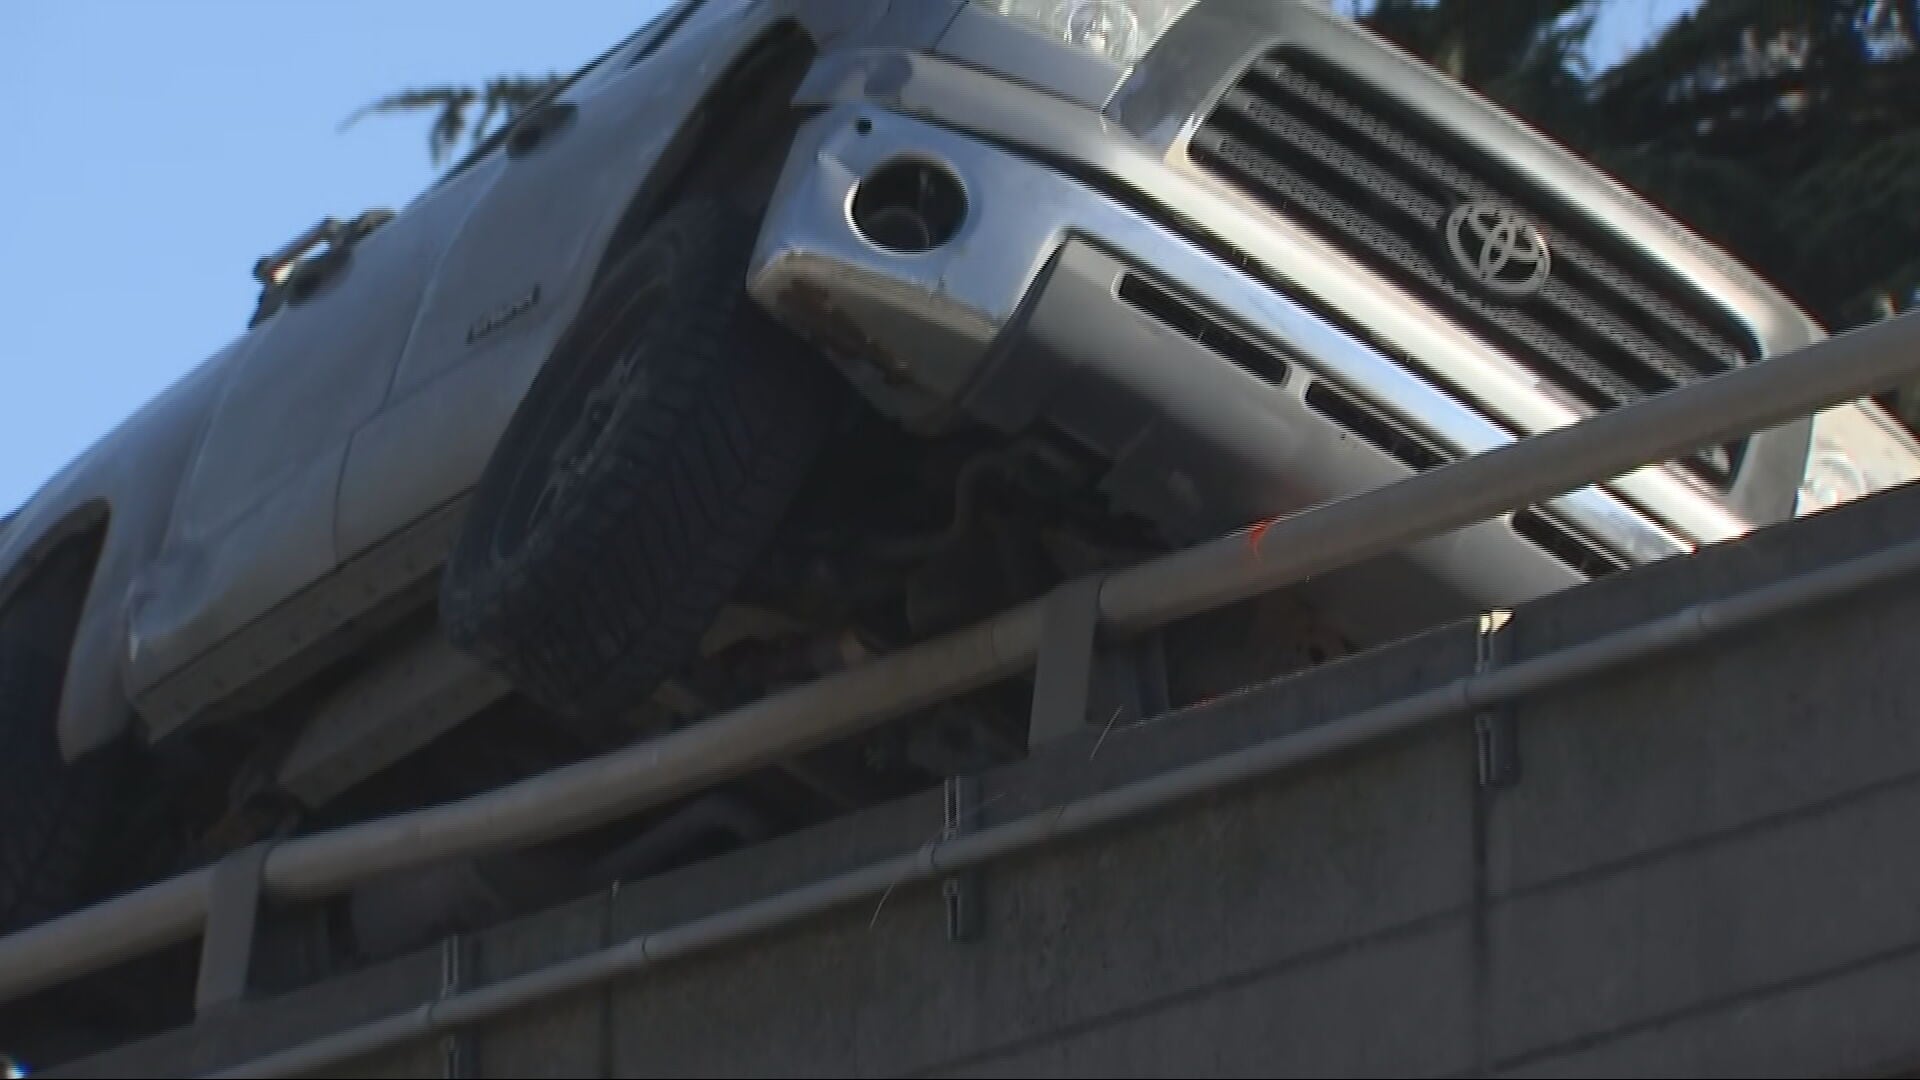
x,y
1019,320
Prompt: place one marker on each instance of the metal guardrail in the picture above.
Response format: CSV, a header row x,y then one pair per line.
x,y
1052,634
1488,689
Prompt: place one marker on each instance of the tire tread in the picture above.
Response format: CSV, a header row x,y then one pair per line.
x,y
702,471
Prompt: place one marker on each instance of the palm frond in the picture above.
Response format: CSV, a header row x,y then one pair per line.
x,y
504,96
430,97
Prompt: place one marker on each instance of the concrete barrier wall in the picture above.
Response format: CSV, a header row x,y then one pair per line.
x,y
1708,865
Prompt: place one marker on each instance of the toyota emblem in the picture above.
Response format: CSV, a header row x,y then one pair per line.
x,y
1499,249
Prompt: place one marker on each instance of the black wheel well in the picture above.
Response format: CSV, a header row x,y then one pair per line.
x,y
48,600
736,142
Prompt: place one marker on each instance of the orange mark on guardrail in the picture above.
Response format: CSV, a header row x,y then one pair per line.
x,y
1258,533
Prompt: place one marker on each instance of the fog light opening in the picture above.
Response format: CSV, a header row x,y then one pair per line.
x,y
909,207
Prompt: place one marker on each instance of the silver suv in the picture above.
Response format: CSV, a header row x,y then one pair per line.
x,y
573,433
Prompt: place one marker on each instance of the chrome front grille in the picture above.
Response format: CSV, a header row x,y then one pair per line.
x,y
1607,328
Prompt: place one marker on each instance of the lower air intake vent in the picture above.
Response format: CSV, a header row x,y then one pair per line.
x,y
1562,542
1375,427
1189,320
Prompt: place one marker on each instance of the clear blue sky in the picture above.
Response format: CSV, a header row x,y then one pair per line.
x,y
1623,25
156,149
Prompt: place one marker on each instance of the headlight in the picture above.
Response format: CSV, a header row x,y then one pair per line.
x,y
1119,30
1856,451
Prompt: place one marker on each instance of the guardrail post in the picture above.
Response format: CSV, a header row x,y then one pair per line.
x,y
1063,673
226,945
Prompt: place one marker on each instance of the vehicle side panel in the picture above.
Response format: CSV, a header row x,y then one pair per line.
x,y
254,520
128,479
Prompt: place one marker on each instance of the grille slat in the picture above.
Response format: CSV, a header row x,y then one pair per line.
x,y
1549,534
1567,308
1608,328
1404,212
1592,383
1723,348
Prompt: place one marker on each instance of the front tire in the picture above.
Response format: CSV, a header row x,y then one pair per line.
x,y
648,467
